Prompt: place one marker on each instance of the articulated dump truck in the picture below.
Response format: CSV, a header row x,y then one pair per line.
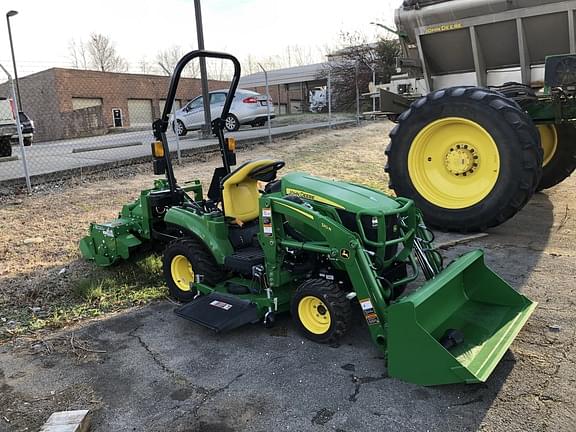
x,y
485,105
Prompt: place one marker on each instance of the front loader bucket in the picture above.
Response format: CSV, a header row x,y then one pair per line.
x,y
457,327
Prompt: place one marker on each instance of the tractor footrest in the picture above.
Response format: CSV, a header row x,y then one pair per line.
x,y
219,312
243,260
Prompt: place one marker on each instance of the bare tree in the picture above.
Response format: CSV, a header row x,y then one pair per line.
x,y
145,66
77,53
103,55
352,63
219,70
297,55
292,55
250,65
168,58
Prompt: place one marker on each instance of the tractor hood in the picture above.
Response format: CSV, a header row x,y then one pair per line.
x,y
349,196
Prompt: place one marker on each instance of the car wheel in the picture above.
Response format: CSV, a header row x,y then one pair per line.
x,y
27,141
231,123
179,128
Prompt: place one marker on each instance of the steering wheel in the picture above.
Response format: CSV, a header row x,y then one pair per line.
x,y
267,173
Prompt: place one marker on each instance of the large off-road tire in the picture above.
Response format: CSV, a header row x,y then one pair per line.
x,y
321,310
559,146
183,260
5,148
469,157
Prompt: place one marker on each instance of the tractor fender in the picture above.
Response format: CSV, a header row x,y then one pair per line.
x,y
212,233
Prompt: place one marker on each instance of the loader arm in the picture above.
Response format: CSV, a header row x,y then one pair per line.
x,y
340,244
466,298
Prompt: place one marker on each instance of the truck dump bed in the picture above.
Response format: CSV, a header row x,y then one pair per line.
x,y
490,41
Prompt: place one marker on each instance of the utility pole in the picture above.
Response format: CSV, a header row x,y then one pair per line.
x,y
206,131
8,15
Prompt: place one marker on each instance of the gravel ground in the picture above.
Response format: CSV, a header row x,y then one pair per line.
x,y
146,369
46,227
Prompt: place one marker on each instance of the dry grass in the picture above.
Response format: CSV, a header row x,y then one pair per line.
x,y
36,292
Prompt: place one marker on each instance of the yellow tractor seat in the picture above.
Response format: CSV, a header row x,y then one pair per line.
x,y
240,188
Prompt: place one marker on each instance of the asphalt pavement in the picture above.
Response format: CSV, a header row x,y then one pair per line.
x,y
149,370
57,156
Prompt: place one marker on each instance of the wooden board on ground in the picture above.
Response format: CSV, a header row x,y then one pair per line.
x,y
68,421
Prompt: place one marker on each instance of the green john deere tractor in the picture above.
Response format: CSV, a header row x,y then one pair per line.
x,y
316,248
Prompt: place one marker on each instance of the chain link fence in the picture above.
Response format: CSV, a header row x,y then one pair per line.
x,y
76,122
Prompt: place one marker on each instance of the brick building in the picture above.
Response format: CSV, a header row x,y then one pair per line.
x,y
68,103
288,87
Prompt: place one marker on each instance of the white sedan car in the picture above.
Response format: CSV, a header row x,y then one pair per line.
x,y
248,107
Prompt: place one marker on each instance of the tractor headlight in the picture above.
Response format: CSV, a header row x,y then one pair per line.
x,y
374,221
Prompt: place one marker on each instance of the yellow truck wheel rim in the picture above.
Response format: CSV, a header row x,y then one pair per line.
x,y
453,163
182,273
548,141
314,315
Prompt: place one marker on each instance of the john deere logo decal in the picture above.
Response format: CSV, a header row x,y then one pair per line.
x,y
345,253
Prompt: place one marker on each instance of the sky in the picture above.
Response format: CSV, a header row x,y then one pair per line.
x,y
140,28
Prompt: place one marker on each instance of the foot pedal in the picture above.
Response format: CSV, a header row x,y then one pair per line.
x,y
244,260
219,312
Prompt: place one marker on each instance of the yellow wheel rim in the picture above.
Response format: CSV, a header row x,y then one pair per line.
x,y
182,273
548,141
453,163
314,315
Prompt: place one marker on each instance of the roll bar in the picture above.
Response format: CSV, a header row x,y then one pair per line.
x,y
160,125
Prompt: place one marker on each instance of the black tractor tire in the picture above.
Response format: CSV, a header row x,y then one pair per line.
x,y
497,123
189,251
5,148
179,128
321,303
562,162
231,123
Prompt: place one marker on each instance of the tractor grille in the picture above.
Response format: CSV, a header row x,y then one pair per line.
x,y
349,221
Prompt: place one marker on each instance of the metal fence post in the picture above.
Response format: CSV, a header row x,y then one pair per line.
x,y
329,96
357,94
374,84
19,126
267,103
175,128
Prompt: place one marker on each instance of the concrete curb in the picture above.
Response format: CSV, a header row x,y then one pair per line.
x,y
39,179
8,158
106,147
